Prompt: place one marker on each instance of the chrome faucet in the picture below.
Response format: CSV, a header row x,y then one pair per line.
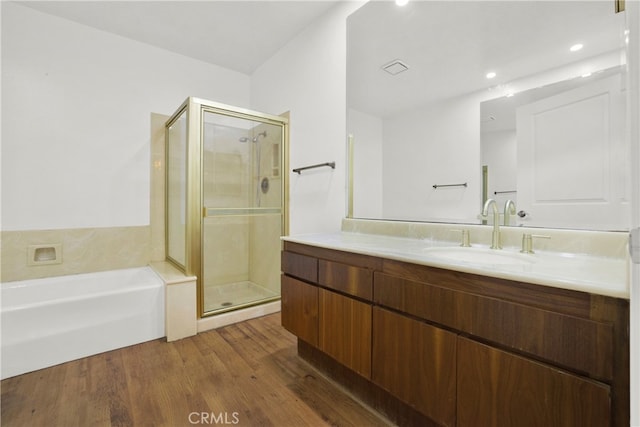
x,y
495,236
509,209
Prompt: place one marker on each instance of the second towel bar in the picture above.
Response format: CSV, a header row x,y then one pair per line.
x,y
332,165
449,185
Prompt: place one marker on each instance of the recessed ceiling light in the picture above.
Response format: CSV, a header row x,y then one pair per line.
x,y
491,75
401,2
576,47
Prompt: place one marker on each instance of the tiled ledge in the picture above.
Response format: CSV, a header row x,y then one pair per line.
x,y
170,273
180,301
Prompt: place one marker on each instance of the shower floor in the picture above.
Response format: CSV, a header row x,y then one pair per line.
x,y
230,295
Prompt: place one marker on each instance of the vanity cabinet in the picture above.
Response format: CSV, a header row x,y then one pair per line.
x,y
330,308
345,331
563,339
455,348
417,363
299,298
497,388
299,307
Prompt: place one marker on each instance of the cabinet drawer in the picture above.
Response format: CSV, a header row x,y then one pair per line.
x,y
496,388
301,266
345,278
575,343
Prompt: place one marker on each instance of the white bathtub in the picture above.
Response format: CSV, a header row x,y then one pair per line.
x,y
54,320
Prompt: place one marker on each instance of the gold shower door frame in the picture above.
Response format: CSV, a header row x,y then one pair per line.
x,y
195,109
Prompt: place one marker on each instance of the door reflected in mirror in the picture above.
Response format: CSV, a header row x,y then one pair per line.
x,y
558,152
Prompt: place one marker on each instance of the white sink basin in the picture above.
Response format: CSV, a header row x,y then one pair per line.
x,y
480,255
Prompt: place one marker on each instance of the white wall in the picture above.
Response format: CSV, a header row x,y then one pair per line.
x,y
434,145
499,154
633,21
308,78
76,106
367,175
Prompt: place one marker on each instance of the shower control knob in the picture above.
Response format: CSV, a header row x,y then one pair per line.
x,y
522,214
264,185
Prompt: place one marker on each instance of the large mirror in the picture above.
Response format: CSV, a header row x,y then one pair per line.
x,y
450,103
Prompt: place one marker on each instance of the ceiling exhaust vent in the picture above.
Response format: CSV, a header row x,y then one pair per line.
x,y
395,67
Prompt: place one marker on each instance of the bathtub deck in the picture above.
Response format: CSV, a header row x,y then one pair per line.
x,y
248,372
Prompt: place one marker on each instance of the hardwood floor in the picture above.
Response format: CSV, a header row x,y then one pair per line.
x,y
247,374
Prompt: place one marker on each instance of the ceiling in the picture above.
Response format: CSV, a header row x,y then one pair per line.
x,y
239,35
450,46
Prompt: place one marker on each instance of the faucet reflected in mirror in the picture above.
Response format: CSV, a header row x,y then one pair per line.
x,y
509,209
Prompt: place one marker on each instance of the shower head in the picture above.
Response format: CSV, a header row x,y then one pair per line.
x,y
255,138
262,134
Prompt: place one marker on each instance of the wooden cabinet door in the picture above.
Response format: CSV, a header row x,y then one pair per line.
x,y
417,363
299,310
496,388
345,331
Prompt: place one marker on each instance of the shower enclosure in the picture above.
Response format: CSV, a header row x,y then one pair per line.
x,y
226,204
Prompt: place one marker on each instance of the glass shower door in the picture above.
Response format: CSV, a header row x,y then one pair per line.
x,y
242,211
176,187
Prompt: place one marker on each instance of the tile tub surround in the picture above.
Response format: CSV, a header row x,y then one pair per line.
x,y
603,271
84,250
